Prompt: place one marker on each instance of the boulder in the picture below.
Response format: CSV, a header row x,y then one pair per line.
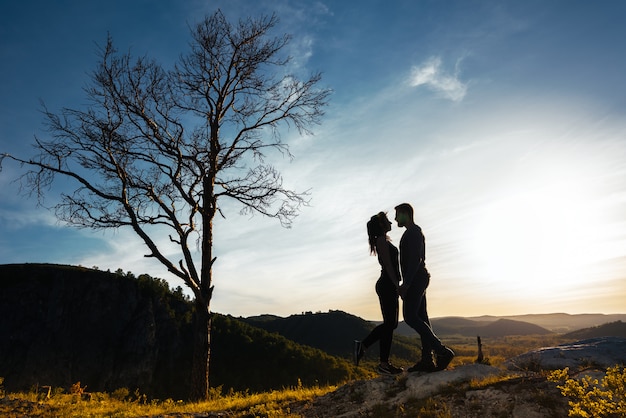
x,y
598,353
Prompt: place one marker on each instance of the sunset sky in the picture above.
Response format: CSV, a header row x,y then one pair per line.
x,y
502,122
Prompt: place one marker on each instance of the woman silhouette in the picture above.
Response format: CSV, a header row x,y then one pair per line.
x,y
387,290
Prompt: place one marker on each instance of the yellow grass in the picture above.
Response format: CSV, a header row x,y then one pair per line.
x,y
267,404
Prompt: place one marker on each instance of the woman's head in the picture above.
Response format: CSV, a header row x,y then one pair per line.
x,y
377,226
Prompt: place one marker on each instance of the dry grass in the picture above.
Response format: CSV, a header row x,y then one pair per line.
x,y
267,404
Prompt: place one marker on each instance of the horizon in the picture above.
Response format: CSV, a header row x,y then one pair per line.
x,y
400,320
501,123
309,312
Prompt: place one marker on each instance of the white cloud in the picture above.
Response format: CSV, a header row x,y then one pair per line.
x,y
300,50
432,75
16,218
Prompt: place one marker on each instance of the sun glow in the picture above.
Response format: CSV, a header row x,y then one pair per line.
x,y
539,238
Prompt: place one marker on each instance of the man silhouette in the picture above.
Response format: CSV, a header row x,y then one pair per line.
x,y
416,279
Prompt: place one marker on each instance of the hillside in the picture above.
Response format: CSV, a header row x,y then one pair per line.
x,y
464,327
333,332
613,329
498,328
64,324
559,322
249,358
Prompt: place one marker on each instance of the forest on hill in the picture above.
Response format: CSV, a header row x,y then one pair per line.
x,y
65,324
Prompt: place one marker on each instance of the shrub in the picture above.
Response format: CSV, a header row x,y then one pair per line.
x,y
120,394
590,398
77,389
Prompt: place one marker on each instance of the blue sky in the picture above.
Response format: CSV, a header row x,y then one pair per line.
x,y
502,122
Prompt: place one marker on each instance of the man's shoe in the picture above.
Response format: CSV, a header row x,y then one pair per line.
x,y
444,358
422,366
389,369
357,352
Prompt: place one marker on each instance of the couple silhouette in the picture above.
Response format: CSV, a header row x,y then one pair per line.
x,y
406,265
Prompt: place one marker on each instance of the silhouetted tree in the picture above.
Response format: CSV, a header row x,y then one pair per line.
x,y
156,150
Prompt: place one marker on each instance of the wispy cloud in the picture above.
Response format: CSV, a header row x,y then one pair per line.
x,y
432,75
300,51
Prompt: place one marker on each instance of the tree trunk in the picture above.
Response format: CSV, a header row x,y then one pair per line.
x,y
201,352
202,335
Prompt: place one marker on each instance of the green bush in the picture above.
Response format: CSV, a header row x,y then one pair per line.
x,y
590,398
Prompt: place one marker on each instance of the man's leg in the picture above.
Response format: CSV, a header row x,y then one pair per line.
x,y
427,349
412,307
430,343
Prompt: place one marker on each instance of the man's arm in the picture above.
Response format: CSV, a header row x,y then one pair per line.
x,y
411,255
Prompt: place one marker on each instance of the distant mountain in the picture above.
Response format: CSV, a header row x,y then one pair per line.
x,y
463,327
504,327
497,328
333,332
612,329
559,322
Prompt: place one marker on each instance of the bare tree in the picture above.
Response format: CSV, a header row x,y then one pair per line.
x,y
156,150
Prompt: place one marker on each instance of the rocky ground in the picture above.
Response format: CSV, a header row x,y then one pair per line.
x,y
443,394
519,389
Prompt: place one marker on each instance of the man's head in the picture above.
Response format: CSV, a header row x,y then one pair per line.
x,y
404,214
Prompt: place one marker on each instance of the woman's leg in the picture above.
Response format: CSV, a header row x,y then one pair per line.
x,y
389,307
388,298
